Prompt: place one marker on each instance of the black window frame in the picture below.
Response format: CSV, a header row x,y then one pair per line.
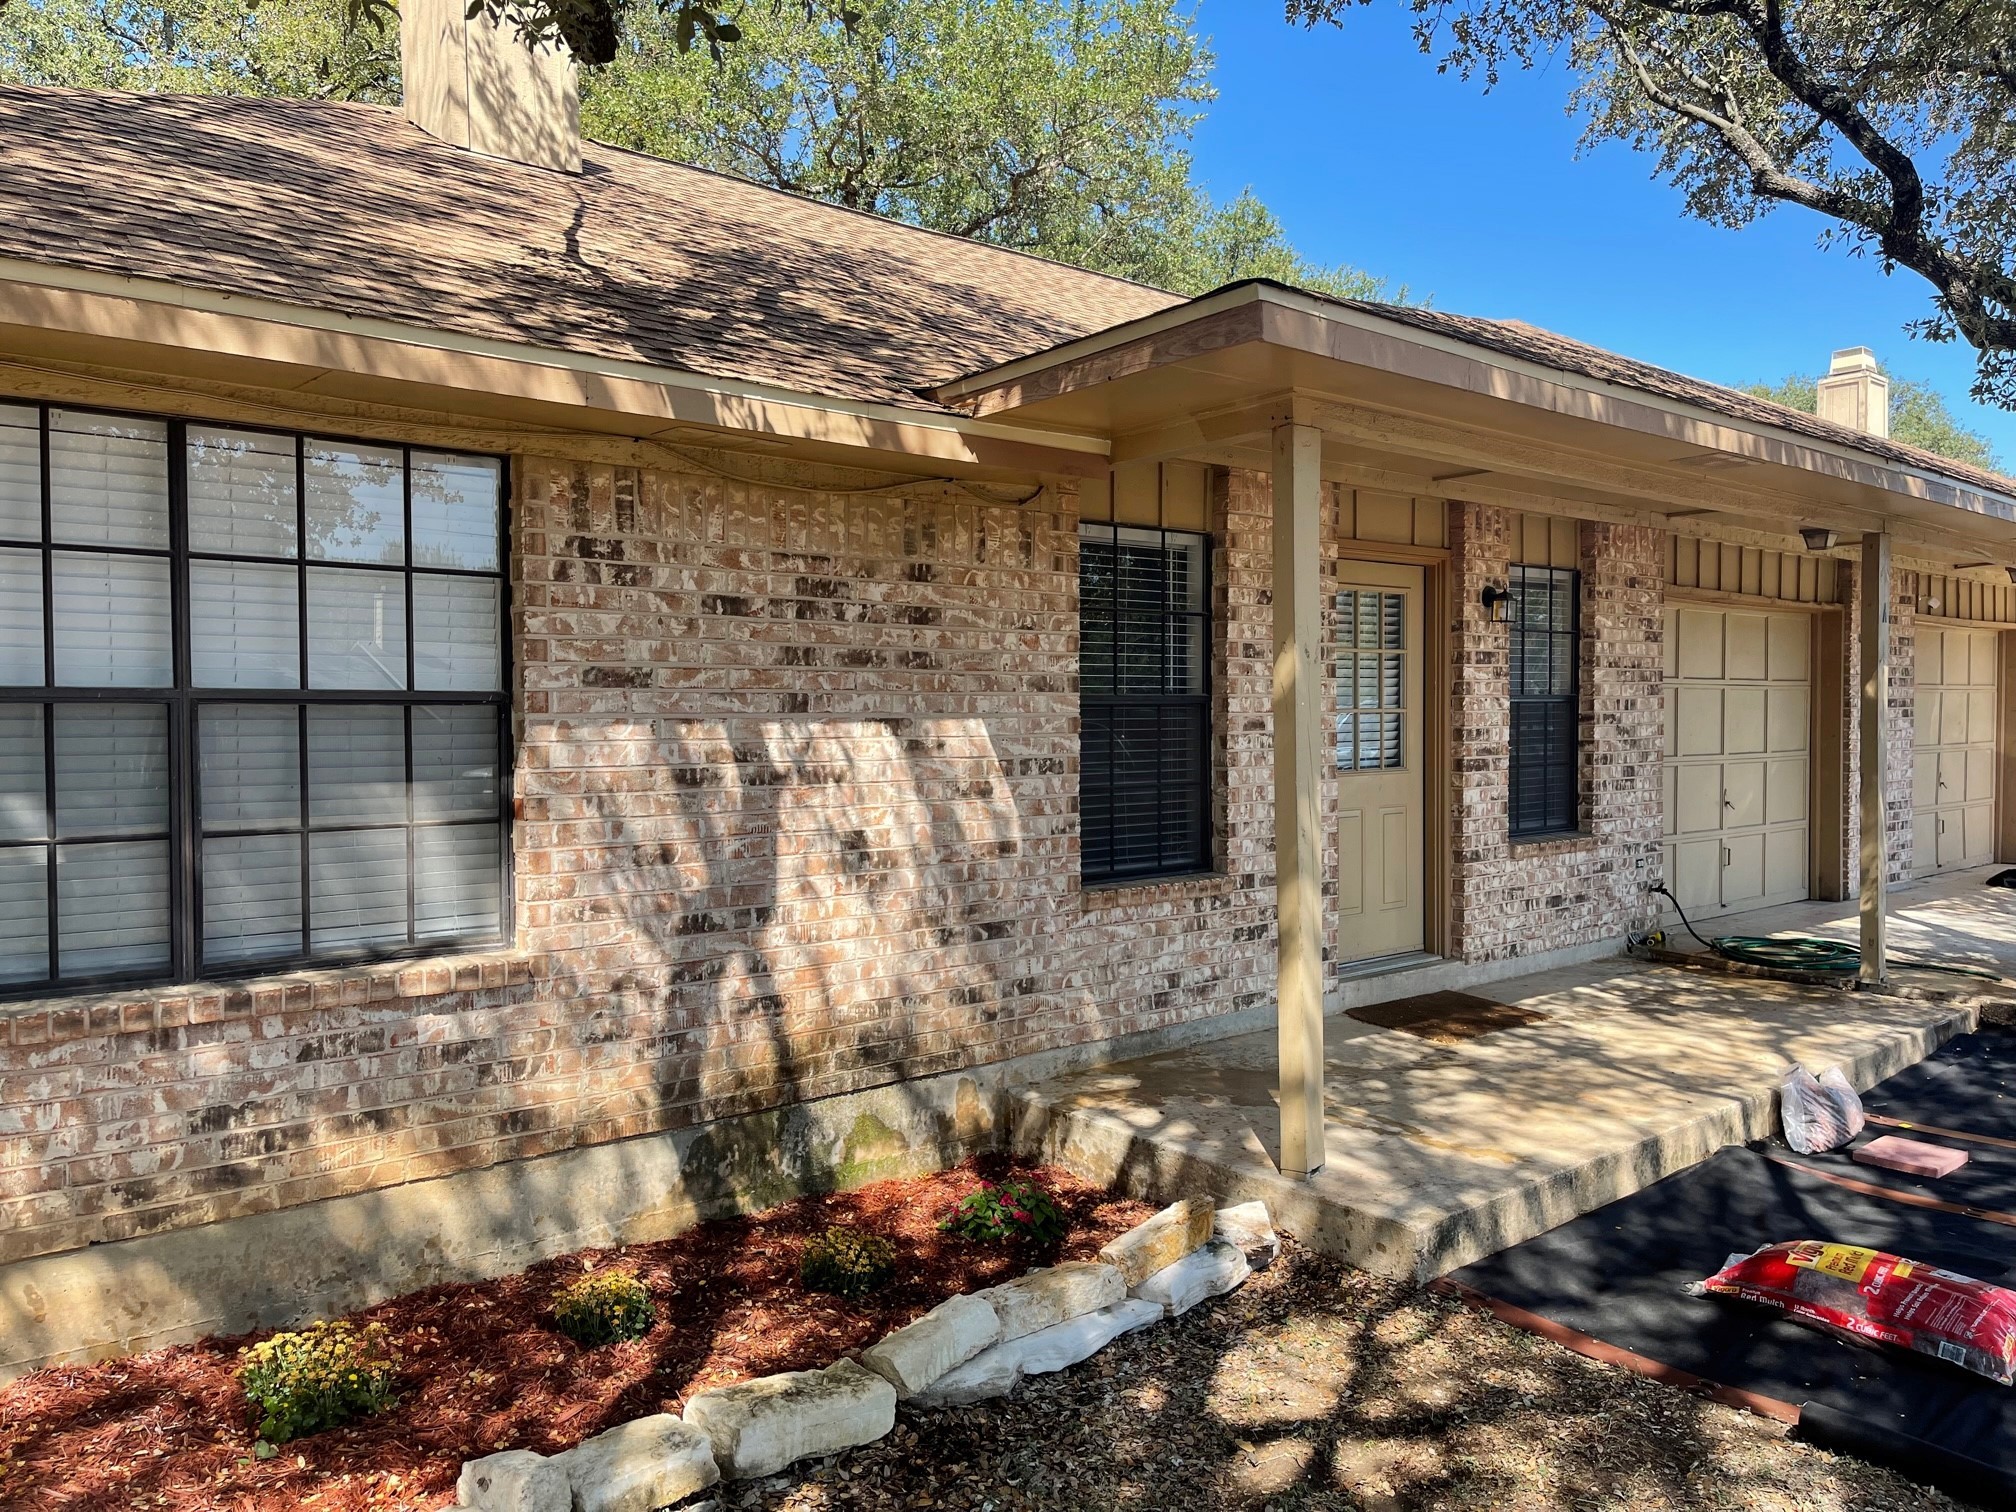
x,y
1544,795
1179,851
183,703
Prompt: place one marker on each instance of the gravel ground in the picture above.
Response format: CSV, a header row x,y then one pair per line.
x,y
1318,1386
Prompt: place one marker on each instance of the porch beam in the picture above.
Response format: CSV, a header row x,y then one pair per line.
x,y
1874,746
1298,751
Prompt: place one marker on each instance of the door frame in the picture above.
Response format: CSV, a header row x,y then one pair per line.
x,y
1435,774
2002,816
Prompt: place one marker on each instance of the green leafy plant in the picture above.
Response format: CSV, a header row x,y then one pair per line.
x,y
1016,1211
318,1377
604,1308
847,1262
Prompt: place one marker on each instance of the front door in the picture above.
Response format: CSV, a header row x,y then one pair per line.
x,y
1376,635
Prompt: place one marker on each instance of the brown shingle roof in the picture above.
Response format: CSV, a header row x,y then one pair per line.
x,y
350,208
1515,338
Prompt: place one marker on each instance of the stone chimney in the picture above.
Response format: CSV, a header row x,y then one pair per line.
x,y
479,85
1855,393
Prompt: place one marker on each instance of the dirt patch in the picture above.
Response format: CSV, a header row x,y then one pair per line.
x,y
1447,1018
483,1370
1319,1387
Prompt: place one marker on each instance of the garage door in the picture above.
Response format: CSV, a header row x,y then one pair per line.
x,y
1953,770
1737,774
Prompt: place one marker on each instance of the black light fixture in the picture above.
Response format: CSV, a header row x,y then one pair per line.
x,y
1817,539
2012,573
1498,603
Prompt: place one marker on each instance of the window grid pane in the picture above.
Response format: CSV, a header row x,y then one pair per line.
x,y
1544,660
1144,705
394,841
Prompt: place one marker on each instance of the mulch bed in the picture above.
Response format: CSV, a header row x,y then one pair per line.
x,y
483,1370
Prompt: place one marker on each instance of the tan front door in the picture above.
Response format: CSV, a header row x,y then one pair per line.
x,y
1737,773
1953,767
1376,634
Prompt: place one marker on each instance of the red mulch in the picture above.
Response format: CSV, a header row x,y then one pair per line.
x,y
483,1370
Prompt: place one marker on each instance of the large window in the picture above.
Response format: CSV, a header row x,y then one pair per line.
x,y
251,699
1546,656
1144,701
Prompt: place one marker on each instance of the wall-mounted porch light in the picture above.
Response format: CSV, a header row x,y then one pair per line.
x,y
1497,603
1817,539
2012,574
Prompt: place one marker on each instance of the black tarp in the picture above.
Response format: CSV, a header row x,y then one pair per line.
x,y
1620,1274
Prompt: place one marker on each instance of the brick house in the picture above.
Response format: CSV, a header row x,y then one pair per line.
x,y
548,692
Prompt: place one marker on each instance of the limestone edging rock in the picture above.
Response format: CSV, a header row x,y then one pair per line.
x,y
1160,1241
1217,1268
949,1335
997,1371
640,1465
758,1427
516,1480
1042,1299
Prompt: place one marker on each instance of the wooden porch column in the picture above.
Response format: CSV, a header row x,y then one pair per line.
x,y
1875,747
1298,750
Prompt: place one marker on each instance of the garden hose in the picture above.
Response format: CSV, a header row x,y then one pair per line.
x,y
1803,952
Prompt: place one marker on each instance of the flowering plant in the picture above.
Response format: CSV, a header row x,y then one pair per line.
x,y
847,1263
604,1308
323,1375
1015,1211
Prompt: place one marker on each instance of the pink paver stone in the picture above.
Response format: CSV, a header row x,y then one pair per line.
x,y
1913,1157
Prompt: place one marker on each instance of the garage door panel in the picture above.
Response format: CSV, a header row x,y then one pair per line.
x,y
1743,721
1698,804
1980,716
1747,638
1977,835
1696,873
1785,852
1925,780
1981,669
1953,717
1790,648
1742,794
1700,711
1786,784
1788,718
1979,785
1742,870
1699,635
1949,847
1929,658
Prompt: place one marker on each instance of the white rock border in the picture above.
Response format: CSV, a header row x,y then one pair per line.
x,y
967,1349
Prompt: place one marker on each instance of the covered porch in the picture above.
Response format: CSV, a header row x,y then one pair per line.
x,y
1455,1125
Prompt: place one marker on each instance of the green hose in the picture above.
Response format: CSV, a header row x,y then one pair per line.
x,y
1806,953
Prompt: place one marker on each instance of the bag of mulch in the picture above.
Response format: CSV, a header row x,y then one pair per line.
x,y
1821,1113
1868,1294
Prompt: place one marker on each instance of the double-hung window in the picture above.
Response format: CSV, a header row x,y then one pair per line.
x,y
1546,654
252,707
1144,702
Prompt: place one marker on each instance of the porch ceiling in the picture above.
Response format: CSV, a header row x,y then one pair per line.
x,y
1419,411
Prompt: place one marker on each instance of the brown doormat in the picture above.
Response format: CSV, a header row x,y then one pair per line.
x,y
1446,1018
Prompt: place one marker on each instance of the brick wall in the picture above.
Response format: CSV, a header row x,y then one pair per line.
x,y
797,781
1510,898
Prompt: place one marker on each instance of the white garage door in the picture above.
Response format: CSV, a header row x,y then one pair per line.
x,y
1738,719
1953,771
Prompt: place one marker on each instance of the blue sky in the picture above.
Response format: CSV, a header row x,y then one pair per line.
x,y
1371,157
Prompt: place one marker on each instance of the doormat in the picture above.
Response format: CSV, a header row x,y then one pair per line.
x,y
1446,1018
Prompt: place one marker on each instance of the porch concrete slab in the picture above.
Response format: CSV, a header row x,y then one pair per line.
x,y
1616,1074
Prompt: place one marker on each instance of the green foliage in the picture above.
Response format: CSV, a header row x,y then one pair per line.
x,y
1893,120
607,1307
1058,127
1016,1211
326,1374
311,49
847,1263
1918,417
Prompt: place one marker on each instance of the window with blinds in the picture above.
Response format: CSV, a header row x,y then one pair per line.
x,y
1144,616
252,706
1546,656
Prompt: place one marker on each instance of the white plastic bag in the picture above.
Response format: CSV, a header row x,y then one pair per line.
x,y
1821,1113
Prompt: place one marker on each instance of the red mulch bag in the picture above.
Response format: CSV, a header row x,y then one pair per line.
x,y
1867,1294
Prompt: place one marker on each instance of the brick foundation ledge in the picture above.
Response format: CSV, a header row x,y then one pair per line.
x,y
132,1010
